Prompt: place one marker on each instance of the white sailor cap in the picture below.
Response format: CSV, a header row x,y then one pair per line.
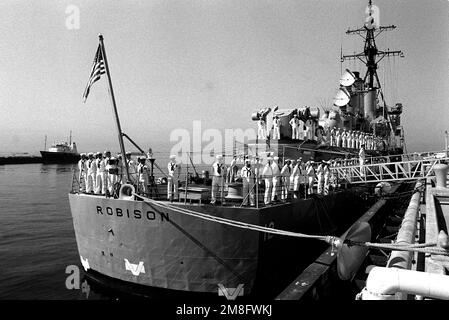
x,y
270,158
172,156
219,157
276,158
90,154
247,160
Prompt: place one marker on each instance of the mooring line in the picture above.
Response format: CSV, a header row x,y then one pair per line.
x,y
334,241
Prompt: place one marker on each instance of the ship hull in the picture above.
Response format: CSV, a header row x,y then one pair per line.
x,y
59,157
157,247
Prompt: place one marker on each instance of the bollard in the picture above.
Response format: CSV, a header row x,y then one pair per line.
x,y
441,174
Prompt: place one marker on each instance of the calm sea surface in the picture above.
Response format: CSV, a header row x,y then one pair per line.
x,y
37,241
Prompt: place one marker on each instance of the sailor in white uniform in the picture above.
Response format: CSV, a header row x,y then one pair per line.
x,y
142,171
294,123
276,128
113,173
248,178
309,134
296,175
362,139
101,174
310,172
353,140
132,168
332,137
344,139
267,174
219,170
120,166
338,138
173,176
276,185
82,172
91,174
106,157
349,139
291,178
285,174
262,129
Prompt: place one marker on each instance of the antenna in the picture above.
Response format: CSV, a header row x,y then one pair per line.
x,y
342,98
341,57
347,78
371,53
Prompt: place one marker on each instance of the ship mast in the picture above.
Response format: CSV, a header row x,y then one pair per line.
x,y
114,107
371,56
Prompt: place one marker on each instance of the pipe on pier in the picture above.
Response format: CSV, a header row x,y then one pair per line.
x,y
384,283
407,232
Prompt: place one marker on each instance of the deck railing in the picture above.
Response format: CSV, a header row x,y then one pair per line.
x,y
199,189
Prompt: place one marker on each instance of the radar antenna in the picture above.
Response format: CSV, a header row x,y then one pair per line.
x,y
371,56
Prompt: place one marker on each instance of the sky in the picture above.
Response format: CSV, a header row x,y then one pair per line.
x,y
175,62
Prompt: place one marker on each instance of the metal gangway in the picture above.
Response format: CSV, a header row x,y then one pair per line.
x,y
389,168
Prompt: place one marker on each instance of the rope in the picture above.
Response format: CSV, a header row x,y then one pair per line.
x,y
423,247
230,222
335,242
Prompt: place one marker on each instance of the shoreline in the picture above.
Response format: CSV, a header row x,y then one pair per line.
x,y
20,159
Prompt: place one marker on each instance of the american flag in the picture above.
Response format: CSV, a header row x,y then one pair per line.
x,y
98,69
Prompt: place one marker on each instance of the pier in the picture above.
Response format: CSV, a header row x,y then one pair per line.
x,y
20,159
418,223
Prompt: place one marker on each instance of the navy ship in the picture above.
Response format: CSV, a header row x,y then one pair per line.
x,y
192,246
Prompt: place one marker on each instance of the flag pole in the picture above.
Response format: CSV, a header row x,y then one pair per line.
x,y
114,107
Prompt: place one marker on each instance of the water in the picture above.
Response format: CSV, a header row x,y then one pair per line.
x,y
37,241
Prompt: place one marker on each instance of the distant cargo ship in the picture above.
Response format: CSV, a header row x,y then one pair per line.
x,y
61,152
